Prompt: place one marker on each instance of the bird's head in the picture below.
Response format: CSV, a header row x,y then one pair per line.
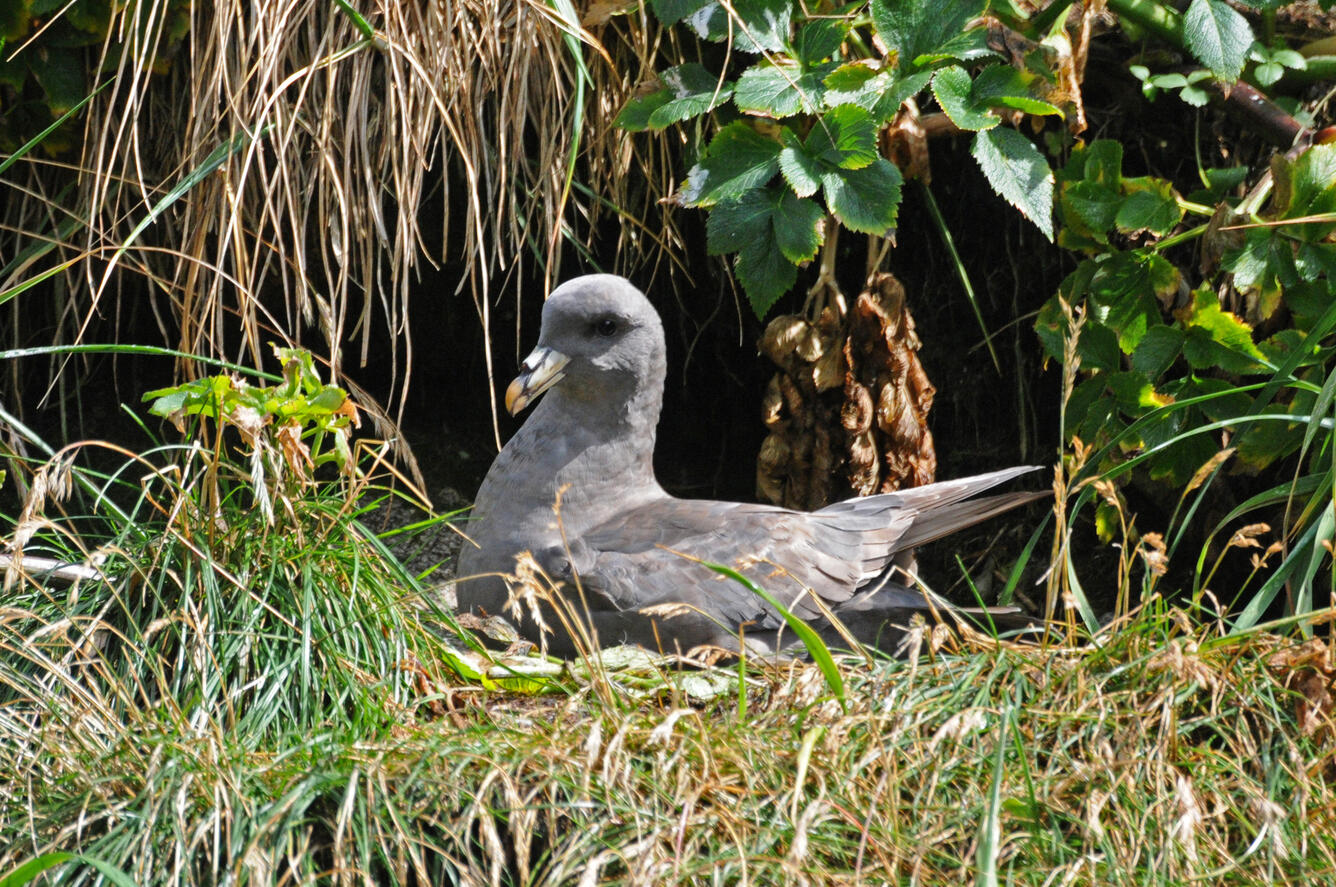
x,y
600,339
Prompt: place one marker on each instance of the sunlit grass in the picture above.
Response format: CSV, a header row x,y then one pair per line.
x,y
1161,756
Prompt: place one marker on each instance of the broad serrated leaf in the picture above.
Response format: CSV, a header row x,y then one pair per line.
x,y
1019,173
1217,338
844,137
1218,36
859,83
952,87
780,90
711,22
819,39
762,25
800,169
1002,86
1157,351
864,200
1090,206
797,223
1309,185
737,160
746,226
692,91
919,32
1150,205
1264,266
670,12
904,88
635,114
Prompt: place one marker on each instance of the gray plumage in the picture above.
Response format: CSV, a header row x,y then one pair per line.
x,y
624,545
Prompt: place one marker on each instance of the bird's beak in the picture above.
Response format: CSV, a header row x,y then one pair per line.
x,y
540,371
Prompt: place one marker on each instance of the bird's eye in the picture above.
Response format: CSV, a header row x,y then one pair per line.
x,y
605,326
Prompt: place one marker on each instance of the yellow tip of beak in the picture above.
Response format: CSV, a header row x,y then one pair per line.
x,y
515,399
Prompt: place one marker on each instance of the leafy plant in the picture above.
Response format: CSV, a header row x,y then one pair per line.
x,y
291,428
797,149
227,583
52,50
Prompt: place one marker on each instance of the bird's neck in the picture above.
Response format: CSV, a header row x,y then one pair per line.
x,y
598,459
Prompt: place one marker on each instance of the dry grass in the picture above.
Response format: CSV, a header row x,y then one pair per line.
x,y
270,185
1161,757
271,698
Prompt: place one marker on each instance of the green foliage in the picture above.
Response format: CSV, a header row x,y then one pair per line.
x,y
233,589
1178,379
1176,358
1218,36
812,109
51,54
1019,173
290,428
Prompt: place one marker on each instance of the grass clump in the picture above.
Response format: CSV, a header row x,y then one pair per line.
x,y
212,592
210,672
1162,756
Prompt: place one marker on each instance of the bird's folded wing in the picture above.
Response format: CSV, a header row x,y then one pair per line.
x,y
649,556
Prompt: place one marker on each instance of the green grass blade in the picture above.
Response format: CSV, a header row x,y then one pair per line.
x,y
961,272
990,833
117,348
29,870
37,139
1008,591
359,22
816,647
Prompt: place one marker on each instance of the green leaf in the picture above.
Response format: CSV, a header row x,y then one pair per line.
x,y
763,25
737,160
800,169
864,200
61,74
1129,288
844,137
781,90
921,32
1098,347
1150,205
1217,338
953,89
670,12
747,226
1218,36
635,114
1051,327
1157,350
692,91
1002,86
1092,205
888,104
1100,162
1307,187
1264,265
859,83
1134,392
819,39
711,22
798,227
1268,73
1019,173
